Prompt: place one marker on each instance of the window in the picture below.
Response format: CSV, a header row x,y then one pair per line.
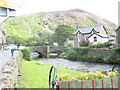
x,y
95,39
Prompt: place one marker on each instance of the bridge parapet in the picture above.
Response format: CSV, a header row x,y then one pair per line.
x,y
45,50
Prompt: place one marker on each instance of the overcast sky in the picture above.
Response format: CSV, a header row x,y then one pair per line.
x,y
107,9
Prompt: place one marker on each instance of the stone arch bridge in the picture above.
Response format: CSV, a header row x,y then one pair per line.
x,y
45,51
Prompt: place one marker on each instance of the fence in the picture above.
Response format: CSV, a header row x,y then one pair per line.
x,y
95,83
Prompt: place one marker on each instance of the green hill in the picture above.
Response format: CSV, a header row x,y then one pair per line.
x,y
33,29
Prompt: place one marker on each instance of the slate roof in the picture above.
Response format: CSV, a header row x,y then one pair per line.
x,y
89,30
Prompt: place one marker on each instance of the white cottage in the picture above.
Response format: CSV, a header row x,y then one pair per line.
x,y
91,35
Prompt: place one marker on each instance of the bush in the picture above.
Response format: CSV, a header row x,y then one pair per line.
x,y
85,58
81,54
112,58
71,54
103,45
26,54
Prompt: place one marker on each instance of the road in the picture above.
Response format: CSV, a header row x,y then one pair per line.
x,y
5,56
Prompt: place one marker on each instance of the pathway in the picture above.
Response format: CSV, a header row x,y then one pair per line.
x,y
5,56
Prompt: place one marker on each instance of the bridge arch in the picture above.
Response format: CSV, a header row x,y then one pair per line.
x,y
40,54
44,51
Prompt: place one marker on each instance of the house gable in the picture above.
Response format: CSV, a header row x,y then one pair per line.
x,y
98,32
88,30
97,35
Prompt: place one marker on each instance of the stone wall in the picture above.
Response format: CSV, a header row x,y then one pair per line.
x,y
9,73
104,53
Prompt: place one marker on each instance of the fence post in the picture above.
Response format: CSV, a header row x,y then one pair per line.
x,y
102,84
82,85
94,84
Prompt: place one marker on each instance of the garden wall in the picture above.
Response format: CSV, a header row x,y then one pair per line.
x,y
9,73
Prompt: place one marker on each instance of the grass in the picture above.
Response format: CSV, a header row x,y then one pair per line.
x,y
36,76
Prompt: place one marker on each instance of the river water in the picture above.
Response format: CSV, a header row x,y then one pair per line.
x,y
76,65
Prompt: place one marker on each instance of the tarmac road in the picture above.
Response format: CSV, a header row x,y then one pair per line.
x,y
5,56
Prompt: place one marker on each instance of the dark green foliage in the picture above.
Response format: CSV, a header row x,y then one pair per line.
x,y
112,58
98,59
104,45
27,30
63,32
71,54
76,53
81,54
26,54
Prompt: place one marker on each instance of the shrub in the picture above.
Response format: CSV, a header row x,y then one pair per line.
x,y
26,54
103,45
81,51
81,54
112,58
98,59
71,54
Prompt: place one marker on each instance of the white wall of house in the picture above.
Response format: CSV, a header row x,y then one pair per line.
x,y
103,33
98,38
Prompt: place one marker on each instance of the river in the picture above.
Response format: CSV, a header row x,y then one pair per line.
x,y
77,65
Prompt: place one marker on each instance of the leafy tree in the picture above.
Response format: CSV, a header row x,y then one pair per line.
x,y
15,40
26,54
63,32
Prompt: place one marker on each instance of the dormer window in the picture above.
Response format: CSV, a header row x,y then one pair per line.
x,y
95,39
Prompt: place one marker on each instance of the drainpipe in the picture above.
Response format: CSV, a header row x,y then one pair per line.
x,y
118,42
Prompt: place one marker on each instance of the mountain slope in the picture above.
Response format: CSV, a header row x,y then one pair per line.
x,y
75,18
44,23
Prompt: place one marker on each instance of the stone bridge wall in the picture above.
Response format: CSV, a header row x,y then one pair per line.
x,y
39,49
45,50
9,73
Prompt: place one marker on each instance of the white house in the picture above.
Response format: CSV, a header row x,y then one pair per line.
x,y
91,35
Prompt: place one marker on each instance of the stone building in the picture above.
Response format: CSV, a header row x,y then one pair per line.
x,y
2,37
118,37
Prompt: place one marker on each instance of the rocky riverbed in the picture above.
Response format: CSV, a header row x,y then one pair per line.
x,y
78,65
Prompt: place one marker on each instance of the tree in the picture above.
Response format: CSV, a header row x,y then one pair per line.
x,y
63,32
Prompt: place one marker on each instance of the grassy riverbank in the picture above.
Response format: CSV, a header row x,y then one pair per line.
x,y
36,76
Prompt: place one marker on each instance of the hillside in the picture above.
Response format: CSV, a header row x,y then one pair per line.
x,y
75,18
43,24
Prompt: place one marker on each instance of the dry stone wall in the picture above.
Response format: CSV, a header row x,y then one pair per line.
x,y
9,73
